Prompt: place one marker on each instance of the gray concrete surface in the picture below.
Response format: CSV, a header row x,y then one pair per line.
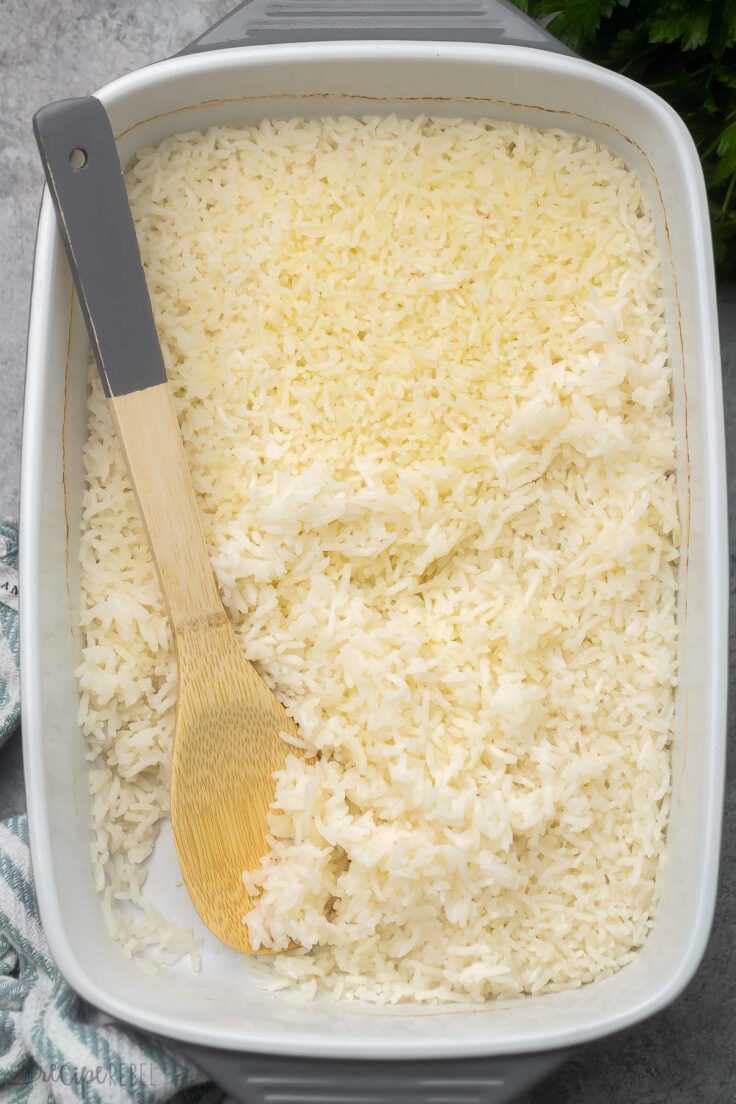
x,y
50,49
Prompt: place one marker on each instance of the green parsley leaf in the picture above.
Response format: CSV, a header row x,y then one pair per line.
x,y
681,20
576,21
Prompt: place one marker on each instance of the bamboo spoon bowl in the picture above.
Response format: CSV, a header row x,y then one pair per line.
x,y
226,748
229,725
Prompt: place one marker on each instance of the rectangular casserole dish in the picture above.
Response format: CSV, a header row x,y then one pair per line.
x,y
222,1007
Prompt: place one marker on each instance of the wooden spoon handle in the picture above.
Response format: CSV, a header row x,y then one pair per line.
x,y
149,431
86,182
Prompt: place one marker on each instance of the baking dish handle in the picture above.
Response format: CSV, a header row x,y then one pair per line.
x,y
264,22
266,1078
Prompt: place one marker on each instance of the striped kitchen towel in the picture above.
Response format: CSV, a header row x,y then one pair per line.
x,y
9,643
55,1048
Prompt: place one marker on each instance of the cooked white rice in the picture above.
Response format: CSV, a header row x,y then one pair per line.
x,y
421,372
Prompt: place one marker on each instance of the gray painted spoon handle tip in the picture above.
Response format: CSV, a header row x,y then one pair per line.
x,y
85,179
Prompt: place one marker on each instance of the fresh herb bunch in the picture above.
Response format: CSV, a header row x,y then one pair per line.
x,y
685,50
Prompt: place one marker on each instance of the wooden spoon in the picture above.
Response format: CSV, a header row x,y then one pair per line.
x,y
227,741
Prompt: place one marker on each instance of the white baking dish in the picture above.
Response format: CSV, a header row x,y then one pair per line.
x,y
221,1006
